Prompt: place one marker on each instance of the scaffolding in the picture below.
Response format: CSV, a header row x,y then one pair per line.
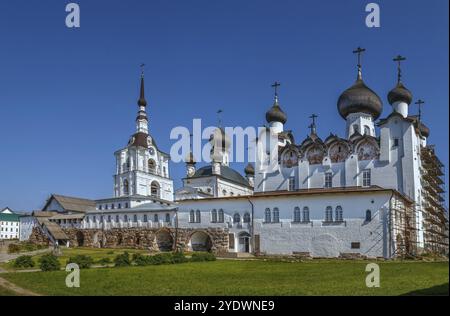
x,y
403,227
434,212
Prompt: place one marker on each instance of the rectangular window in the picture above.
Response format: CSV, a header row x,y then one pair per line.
x,y
291,184
366,178
396,142
328,180
231,241
355,245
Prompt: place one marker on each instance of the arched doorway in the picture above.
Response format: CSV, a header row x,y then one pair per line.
x,y
200,241
80,239
244,242
164,240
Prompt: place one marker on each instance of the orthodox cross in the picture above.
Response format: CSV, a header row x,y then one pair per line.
x,y
313,124
275,85
419,104
359,51
398,60
142,69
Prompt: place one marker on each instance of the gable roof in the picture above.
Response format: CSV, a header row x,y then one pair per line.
x,y
7,210
71,204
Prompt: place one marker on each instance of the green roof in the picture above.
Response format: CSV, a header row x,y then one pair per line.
x,y
6,217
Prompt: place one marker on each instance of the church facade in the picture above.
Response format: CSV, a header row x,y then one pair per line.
x,y
376,192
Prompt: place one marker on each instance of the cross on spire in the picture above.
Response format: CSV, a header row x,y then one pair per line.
x,y
313,124
142,69
275,85
359,52
419,103
398,60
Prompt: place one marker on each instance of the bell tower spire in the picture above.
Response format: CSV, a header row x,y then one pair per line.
x,y
141,119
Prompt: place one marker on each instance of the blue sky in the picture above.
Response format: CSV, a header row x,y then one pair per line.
x,y
68,96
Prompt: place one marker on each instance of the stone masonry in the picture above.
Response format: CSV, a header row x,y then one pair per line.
x,y
153,239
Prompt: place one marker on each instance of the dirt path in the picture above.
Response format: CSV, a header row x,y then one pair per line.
x,y
18,290
5,257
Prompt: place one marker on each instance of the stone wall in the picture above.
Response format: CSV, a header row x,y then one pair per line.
x,y
153,239
38,237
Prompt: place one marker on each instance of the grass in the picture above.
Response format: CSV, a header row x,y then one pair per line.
x,y
6,292
256,277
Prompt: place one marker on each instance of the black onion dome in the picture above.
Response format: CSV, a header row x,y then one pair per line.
x,y
249,170
276,114
360,98
400,93
424,130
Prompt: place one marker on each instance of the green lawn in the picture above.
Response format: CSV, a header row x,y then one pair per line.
x,y
257,277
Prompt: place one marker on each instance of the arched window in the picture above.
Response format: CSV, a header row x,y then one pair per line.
x,y
214,216
247,217
339,214
155,218
306,214
151,165
145,218
154,189
135,218
297,217
221,216
366,130
192,216
276,215
167,218
117,218
125,218
368,215
198,216
329,214
126,187
236,218
267,217
355,128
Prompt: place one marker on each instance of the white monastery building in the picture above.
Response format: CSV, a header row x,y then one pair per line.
x,y
9,224
376,192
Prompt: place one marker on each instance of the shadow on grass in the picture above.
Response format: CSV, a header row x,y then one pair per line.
x,y
435,290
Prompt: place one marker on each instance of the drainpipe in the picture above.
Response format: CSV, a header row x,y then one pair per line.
x,y
252,230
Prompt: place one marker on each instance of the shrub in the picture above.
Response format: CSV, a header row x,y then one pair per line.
x,y
178,257
24,262
122,260
24,246
161,258
141,260
202,256
13,248
83,261
104,261
49,262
